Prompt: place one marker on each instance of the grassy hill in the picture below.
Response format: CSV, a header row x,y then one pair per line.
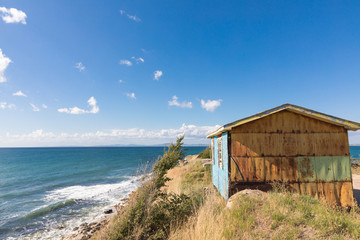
x,y
178,201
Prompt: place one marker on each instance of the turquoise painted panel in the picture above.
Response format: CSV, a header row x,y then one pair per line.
x,y
225,171
220,175
214,166
306,166
324,168
342,168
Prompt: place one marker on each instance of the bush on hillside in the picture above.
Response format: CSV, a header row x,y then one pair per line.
x,y
150,213
206,153
170,159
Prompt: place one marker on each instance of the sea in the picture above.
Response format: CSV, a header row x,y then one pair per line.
x,y
46,192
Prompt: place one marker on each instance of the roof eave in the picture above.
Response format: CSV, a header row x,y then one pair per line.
x,y
349,125
216,132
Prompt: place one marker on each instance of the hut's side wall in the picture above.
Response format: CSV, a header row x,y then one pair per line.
x,y
220,176
214,168
310,155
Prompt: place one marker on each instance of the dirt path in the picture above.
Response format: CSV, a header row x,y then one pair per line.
x,y
356,186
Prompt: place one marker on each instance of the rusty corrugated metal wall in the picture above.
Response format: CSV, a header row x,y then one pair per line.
x,y
309,155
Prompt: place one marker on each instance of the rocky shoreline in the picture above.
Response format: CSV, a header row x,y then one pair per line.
x,y
87,230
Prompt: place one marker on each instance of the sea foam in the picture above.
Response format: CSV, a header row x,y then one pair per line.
x,y
100,192
108,194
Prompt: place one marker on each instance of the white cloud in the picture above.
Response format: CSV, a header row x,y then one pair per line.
x,y
129,63
12,15
193,135
131,95
44,106
4,62
175,102
121,81
126,62
75,110
132,17
92,104
19,94
210,105
80,66
157,74
34,107
5,105
138,60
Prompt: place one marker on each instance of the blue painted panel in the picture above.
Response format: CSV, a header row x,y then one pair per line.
x,y
223,172
220,176
226,166
215,165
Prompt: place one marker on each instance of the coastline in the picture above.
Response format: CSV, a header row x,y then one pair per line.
x,y
192,174
87,230
57,190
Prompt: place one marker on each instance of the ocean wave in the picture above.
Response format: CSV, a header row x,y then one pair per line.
x,y
106,193
48,209
99,192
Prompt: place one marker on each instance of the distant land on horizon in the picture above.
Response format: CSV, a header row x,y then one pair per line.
x,y
116,145
133,145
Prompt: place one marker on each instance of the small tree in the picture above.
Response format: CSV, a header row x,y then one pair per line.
x,y
170,159
150,212
206,153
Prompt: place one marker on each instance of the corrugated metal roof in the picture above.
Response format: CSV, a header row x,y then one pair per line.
x,y
293,108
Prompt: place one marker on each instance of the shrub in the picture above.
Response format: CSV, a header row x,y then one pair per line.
x,y
206,153
170,159
198,176
150,213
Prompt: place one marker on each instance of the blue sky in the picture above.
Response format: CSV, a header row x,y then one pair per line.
x,y
87,68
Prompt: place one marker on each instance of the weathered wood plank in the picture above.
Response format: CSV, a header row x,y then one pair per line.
x,y
289,144
288,122
289,169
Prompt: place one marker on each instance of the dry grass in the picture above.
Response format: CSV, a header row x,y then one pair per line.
x,y
150,212
274,215
188,178
103,233
205,224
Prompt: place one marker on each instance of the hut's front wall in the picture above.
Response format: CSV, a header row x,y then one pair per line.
x,y
309,155
220,170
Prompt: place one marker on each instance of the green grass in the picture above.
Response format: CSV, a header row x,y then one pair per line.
x,y
293,210
274,215
279,214
196,178
241,218
151,213
198,174
206,153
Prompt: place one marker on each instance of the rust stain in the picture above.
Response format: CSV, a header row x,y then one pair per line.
x,y
305,168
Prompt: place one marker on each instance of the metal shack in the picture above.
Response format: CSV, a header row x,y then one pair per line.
x,y
308,151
